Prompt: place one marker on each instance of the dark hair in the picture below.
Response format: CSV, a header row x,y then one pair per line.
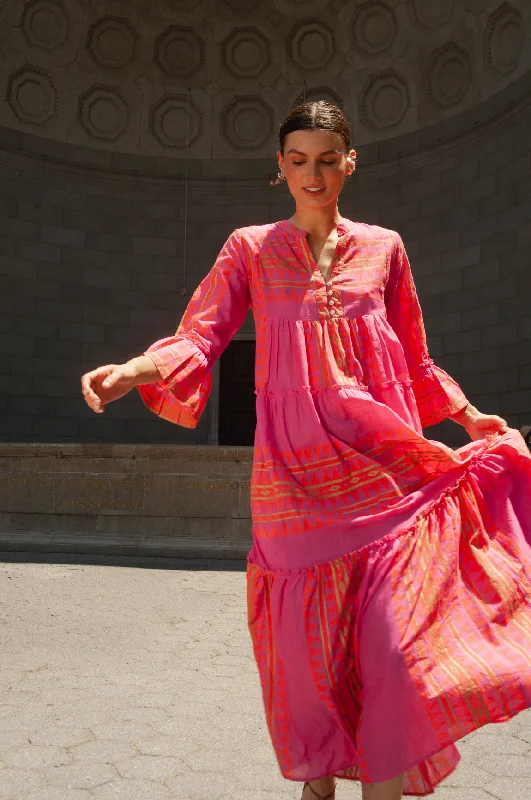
x,y
315,115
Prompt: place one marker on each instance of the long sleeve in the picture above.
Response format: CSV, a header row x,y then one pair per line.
x,y
438,396
217,309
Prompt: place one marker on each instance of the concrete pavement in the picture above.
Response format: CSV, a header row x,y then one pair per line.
x,y
134,679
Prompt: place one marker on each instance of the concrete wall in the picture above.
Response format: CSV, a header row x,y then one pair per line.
x,y
91,264
126,499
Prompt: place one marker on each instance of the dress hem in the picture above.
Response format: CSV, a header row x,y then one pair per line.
x,y
496,721
431,790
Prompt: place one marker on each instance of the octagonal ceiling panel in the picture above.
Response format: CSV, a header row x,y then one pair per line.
x,y
243,5
125,67
45,25
246,122
448,76
245,53
179,51
504,40
431,14
175,121
384,101
319,93
183,5
32,95
373,28
311,45
111,42
103,112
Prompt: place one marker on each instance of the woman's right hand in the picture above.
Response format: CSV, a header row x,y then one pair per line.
x,y
112,381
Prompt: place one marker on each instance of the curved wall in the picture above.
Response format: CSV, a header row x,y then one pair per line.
x,y
91,265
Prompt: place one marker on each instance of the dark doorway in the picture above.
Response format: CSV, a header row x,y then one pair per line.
x,y
237,400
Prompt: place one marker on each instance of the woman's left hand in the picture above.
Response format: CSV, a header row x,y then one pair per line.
x,y
479,425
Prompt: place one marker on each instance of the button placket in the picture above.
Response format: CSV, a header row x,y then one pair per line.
x,y
330,299
333,296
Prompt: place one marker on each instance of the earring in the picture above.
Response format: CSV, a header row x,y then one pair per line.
x,y
279,179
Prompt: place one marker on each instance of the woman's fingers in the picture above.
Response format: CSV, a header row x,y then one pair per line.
x,y
105,384
499,423
86,388
486,425
90,385
93,400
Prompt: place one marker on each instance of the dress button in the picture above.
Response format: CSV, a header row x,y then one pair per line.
x,y
329,283
332,312
331,302
329,292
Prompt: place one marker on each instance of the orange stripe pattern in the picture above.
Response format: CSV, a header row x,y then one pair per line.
x,y
388,585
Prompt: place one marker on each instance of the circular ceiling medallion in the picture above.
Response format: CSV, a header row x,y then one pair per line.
x,y
245,52
311,44
183,5
243,5
373,28
504,40
32,95
246,122
45,25
111,42
431,13
173,121
319,93
384,101
103,112
179,52
448,75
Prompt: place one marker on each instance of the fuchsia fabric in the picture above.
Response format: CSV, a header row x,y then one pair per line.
x,y
389,582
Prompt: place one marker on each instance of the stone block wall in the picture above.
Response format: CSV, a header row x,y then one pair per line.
x,y
91,262
139,500
466,222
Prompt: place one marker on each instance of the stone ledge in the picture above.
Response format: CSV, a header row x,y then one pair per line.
x,y
161,500
136,451
162,546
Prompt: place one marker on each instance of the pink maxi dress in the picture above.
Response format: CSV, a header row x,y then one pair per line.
x,y
389,581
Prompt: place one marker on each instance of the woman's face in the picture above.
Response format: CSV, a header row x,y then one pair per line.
x,y
315,160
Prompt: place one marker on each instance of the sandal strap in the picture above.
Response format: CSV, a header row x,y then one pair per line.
x,y
319,796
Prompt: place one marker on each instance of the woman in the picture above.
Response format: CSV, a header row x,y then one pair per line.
x,y
389,581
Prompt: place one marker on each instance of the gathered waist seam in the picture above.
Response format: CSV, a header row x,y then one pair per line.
x,y
313,390
376,312
362,387
389,538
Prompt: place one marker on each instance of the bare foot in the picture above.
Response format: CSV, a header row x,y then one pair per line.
x,y
320,786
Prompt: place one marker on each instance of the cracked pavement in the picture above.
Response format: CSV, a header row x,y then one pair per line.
x,y
134,679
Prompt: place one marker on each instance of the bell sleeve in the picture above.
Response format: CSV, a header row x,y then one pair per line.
x,y
215,312
437,395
